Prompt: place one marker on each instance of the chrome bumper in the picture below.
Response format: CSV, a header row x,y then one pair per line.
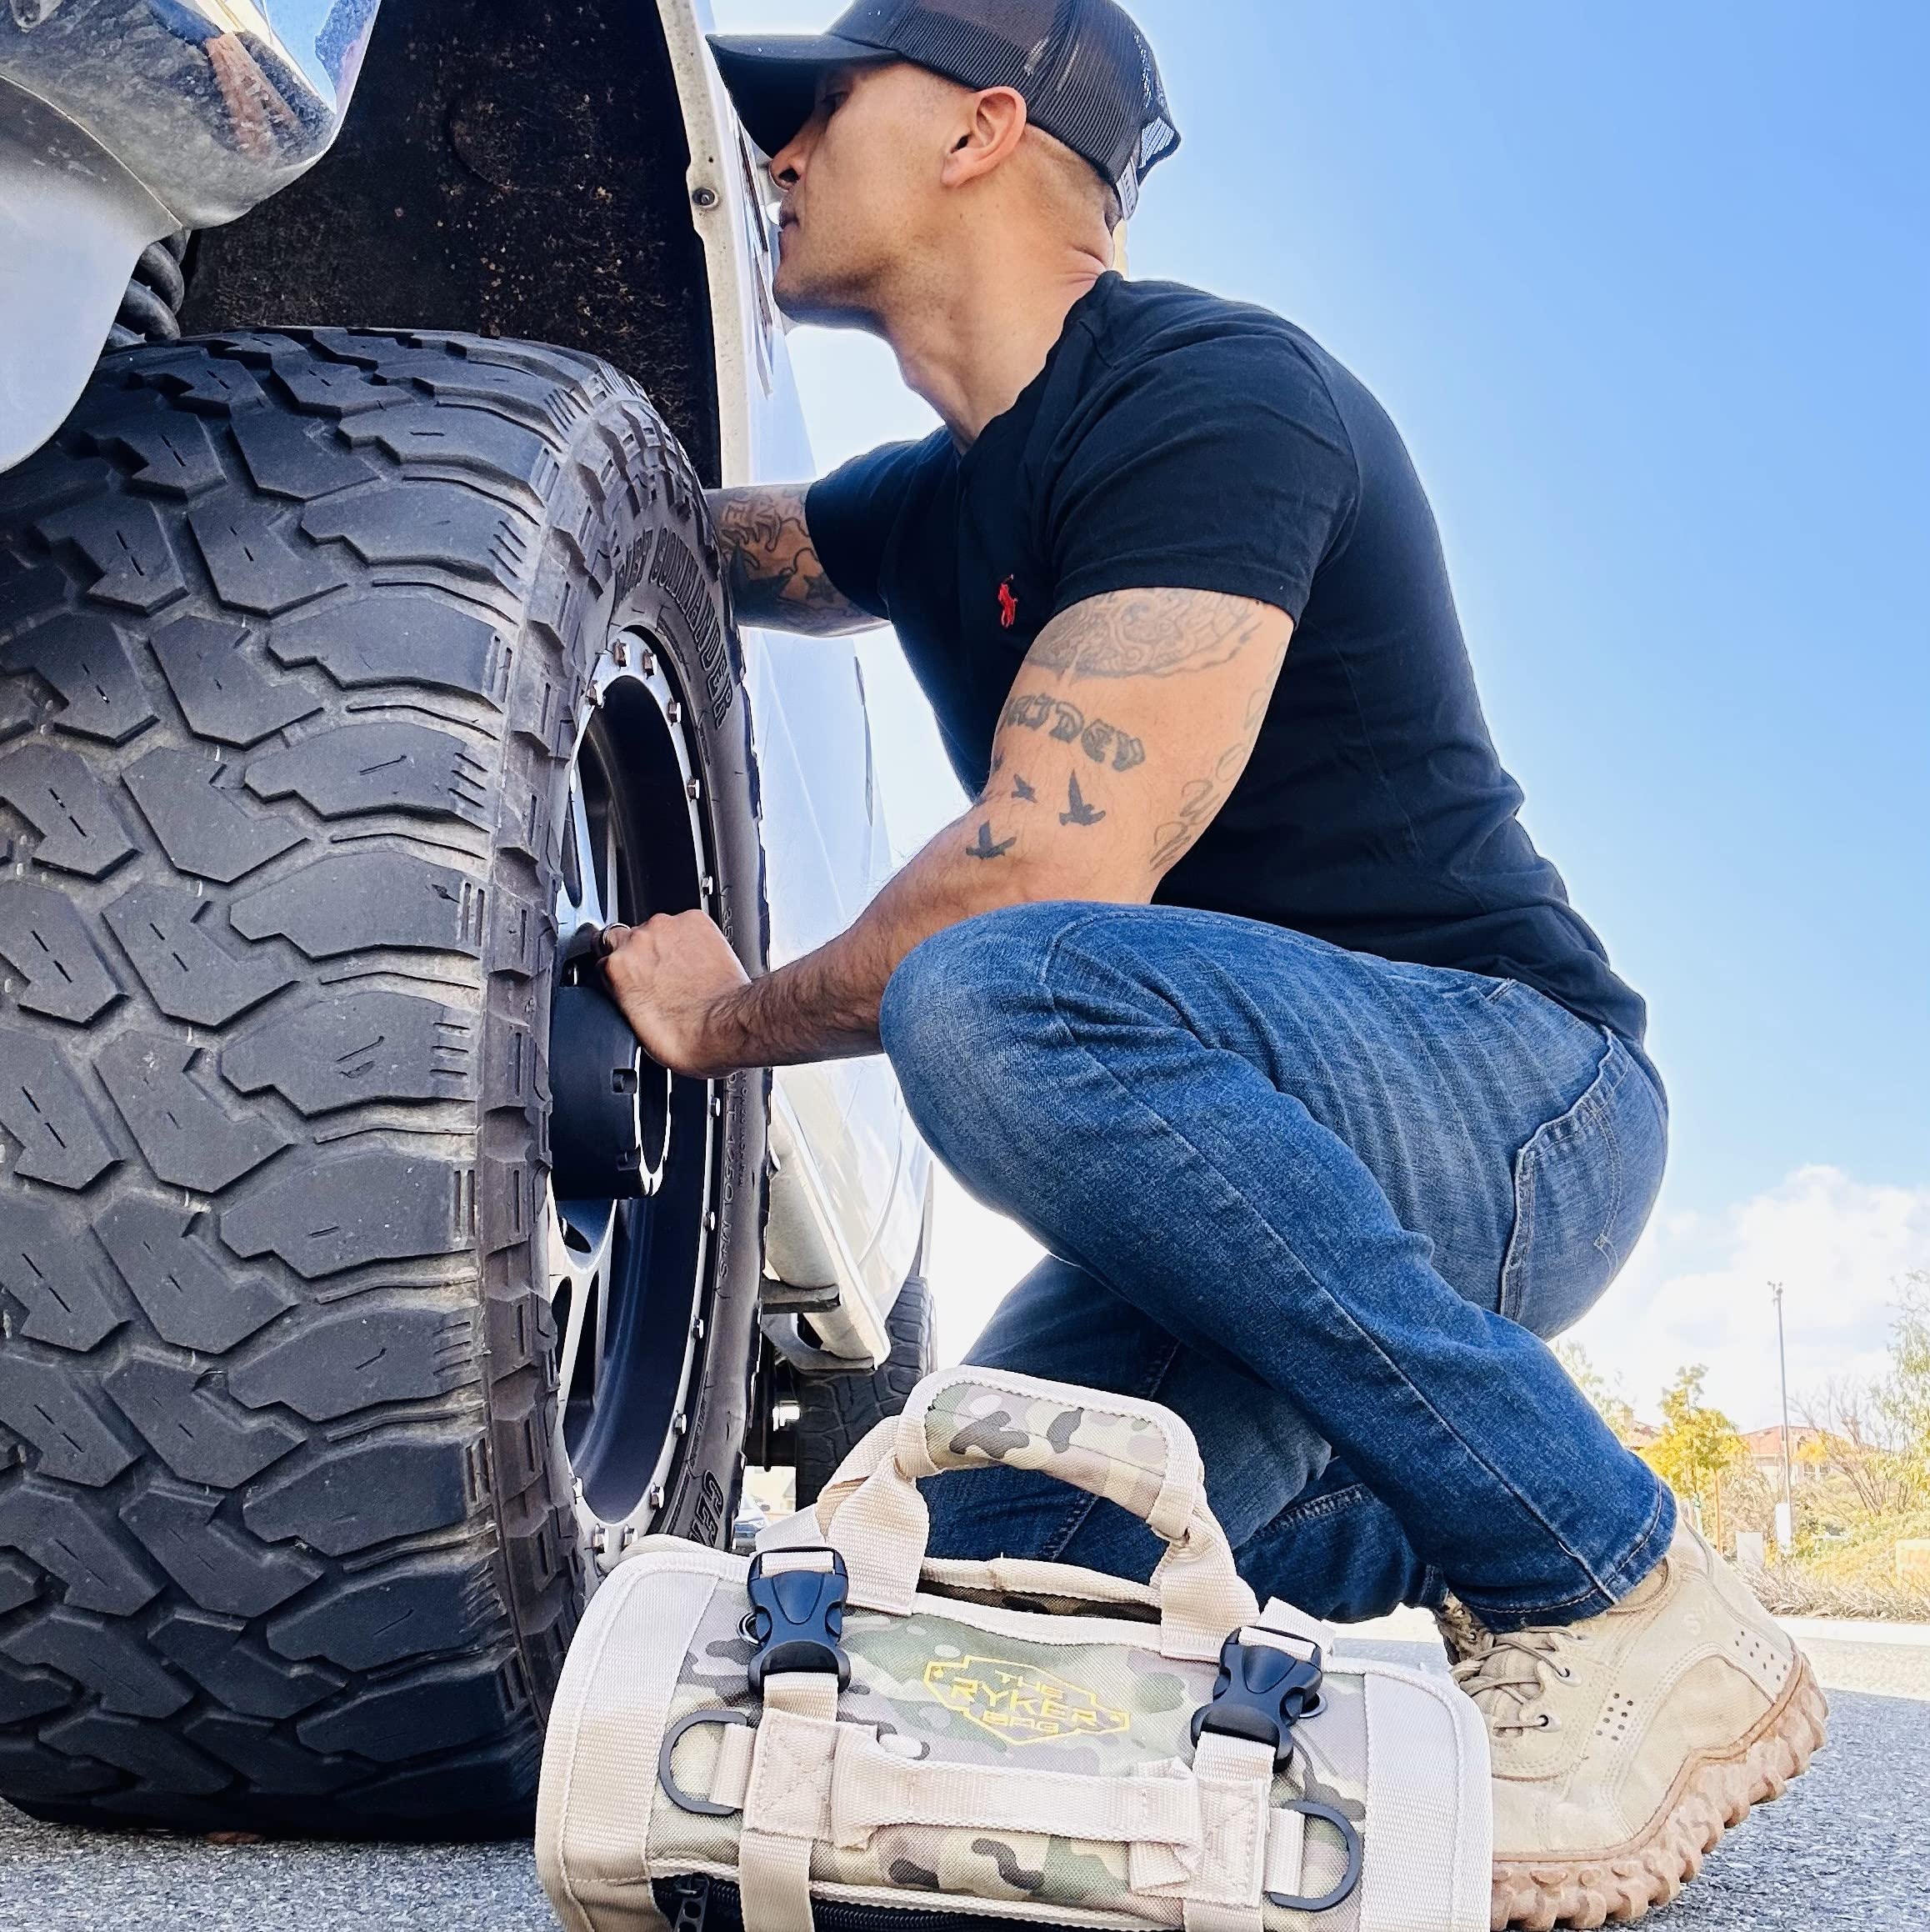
x,y
210,105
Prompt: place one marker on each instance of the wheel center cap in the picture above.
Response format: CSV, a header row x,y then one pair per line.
x,y
610,1118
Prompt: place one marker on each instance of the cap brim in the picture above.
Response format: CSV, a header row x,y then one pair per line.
x,y
773,79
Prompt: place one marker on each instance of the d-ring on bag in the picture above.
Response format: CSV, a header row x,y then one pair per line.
x,y
836,1735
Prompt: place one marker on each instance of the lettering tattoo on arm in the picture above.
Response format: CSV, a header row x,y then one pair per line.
x,y
776,575
1067,724
1134,784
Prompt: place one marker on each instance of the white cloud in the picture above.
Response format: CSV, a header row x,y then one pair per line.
x,y
1696,1289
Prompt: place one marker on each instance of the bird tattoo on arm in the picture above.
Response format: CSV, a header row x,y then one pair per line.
x,y
1081,813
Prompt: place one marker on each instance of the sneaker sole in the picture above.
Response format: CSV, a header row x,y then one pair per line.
x,y
1712,1795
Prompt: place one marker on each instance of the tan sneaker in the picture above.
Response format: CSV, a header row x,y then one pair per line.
x,y
1624,1746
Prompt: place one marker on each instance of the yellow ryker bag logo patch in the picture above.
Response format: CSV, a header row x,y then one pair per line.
x,y
1022,1705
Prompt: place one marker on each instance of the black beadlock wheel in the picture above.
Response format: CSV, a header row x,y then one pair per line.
x,y
836,1413
344,679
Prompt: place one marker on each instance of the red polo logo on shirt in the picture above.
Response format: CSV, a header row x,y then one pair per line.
x,y
1007,606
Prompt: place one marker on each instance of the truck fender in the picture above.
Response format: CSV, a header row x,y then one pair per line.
x,y
72,221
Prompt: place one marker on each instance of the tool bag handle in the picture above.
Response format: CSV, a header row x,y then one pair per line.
x,y
1136,1454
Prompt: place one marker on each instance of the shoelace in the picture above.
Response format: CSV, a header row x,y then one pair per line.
x,y
1509,1668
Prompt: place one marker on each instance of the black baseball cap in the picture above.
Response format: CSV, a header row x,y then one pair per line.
x,y
1086,71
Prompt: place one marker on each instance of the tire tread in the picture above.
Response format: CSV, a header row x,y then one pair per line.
x,y
835,1412
300,618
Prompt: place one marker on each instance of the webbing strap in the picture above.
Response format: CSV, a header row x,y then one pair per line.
x,y
801,1776
1222,1892
787,1794
871,1787
1204,1835
1281,1618
1286,1852
730,1777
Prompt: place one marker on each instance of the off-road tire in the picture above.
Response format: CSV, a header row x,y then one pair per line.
x,y
294,632
835,1412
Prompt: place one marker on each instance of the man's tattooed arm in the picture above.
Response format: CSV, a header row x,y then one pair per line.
x,y
1066,723
1200,802
775,574
1075,807
1151,633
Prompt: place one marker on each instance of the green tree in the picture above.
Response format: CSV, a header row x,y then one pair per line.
x,y
1610,1403
1903,1400
1698,1445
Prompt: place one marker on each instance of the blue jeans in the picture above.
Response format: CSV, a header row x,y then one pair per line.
x,y
1324,1206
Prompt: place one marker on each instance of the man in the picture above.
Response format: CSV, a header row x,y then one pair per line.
x,y
1239,984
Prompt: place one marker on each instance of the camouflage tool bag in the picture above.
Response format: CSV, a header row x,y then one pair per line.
x,y
839,1735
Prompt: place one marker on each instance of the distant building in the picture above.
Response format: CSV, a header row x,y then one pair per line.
x,y
1809,1453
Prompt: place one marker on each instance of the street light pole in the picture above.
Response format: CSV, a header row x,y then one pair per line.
x,y
1787,1527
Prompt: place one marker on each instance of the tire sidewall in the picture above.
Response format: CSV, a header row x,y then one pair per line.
x,y
668,582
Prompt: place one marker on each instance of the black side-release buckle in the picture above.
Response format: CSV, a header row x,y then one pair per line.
x,y
796,1617
1262,1692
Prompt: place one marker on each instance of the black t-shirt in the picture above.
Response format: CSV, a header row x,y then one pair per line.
x,y
1176,440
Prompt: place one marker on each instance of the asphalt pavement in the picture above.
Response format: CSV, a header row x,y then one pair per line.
x,y
1848,1850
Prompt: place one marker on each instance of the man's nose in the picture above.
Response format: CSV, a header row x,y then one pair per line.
x,y
786,167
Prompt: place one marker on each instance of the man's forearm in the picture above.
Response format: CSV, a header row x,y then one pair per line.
x,y
1101,781
775,574
825,1006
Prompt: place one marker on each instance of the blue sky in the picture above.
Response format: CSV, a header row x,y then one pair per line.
x,y
1647,289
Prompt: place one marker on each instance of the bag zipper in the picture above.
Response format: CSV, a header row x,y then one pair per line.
x,y
699,1903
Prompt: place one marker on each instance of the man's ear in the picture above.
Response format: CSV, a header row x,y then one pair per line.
x,y
992,127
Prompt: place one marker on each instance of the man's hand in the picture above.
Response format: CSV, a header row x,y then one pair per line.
x,y
674,979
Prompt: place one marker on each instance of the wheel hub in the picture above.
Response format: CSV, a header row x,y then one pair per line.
x,y
629,1217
